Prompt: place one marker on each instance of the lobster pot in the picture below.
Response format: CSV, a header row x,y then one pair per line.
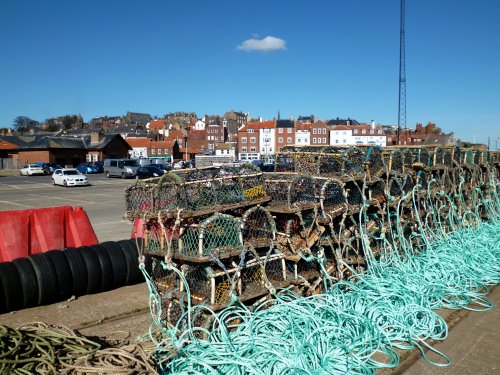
x,y
141,199
331,165
438,157
219,236
376,191
259,228
457,154
477,157
455,177
308,269
354,193
424,156
446,181
407,157
401,184
285,163
468,157
307,163
332,198
257,272
160,236
374,160
394,160
210,283
354,162
289,237
290,191
175,312
448,157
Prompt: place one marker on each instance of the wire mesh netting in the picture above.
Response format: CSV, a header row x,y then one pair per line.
x,y
333,198
259,228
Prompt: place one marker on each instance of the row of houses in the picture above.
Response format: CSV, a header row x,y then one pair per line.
x,y
230,135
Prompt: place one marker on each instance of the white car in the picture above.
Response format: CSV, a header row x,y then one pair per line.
x,y
69,177
31,169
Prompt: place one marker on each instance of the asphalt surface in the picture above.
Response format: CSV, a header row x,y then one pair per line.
x,y
103,200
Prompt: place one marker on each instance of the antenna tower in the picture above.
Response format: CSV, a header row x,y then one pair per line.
x,y
402,75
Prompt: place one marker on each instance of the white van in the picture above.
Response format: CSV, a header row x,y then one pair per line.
x,y
121,167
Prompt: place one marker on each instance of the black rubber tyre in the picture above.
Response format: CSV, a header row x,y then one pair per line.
x,y
93,266
12,290
78,270
29,282
118,263
47,278
106,267
63,273
129,248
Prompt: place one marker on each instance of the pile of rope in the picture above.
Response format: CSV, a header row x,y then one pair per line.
x,y
48,349
357,325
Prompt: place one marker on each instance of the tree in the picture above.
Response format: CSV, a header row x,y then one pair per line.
x,y
24,123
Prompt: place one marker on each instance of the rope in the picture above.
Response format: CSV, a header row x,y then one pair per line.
x,y
49,349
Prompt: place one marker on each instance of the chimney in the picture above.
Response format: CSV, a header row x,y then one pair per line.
x,y
373,125
291,117
95,137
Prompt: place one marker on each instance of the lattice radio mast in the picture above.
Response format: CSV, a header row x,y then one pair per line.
x,y
402,75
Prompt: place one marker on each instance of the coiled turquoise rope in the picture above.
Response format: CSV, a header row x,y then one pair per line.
x,y
356,326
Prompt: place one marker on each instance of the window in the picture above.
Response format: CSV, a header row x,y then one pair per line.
x,y
263,149
343,133
244,149
299,140
243,139
280,130
280,140
270,149
380,131
89,158
252,149
372,131
314,140
314,131
289,130
252,140
324,140
152,151
324,130
363,131
355,131
95,158
250,130
216,137
289,140
344,141
336,141
166,151
159,151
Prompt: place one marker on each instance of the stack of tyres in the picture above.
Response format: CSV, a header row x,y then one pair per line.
x,y
59,274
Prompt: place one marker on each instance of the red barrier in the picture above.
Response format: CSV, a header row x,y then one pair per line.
x,y
79,231
26,232
137,230
14,235
47,229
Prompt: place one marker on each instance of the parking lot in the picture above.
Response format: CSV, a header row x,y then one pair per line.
x,y
103,200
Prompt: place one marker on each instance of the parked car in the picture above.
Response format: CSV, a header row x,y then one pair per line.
x,y
86,168
149,171
49,168
121,167
163,167
99,165
69,177
31,169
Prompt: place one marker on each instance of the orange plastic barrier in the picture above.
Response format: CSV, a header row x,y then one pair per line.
x,y
137,230
27,232
14,235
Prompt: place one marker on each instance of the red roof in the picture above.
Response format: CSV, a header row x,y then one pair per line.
x,y
270,124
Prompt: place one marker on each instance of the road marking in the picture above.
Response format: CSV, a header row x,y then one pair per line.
x,y
16,204
14,186
112,222
62,199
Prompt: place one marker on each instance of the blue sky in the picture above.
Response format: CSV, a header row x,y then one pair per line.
x,y
330,58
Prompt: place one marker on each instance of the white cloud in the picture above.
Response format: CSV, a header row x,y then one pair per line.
x,y
267,44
